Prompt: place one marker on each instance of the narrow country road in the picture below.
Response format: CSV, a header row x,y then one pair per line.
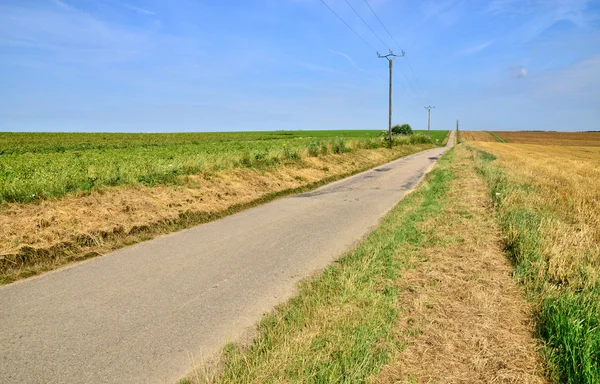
x,y
146,313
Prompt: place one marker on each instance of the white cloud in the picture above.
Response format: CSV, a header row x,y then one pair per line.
x,y
517,71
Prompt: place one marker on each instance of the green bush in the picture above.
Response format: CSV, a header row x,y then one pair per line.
x,y
417,138
404,129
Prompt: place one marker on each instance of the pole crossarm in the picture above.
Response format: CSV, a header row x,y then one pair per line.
x,y
391,55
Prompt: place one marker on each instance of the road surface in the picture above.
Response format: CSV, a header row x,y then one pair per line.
x,y
148,312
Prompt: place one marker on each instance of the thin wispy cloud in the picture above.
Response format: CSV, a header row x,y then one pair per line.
x,y
542,14
353,63
138,9
319,68
579,80
445,12
477,48
62,4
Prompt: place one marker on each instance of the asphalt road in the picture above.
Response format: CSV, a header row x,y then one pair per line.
x,y
148,312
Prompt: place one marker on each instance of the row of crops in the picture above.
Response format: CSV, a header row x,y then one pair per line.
x,y
34,142
46,165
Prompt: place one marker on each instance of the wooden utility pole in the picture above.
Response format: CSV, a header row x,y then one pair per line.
x,y
390,57
457,125
429,120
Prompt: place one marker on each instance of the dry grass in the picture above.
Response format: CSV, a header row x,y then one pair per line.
x,y
36,237
567,185
553,138
476,136
465,319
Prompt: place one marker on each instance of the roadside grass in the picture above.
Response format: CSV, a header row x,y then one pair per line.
x,y
342,324
46,235
547,202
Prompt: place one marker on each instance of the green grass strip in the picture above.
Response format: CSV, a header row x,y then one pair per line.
x,y
496,137
340,327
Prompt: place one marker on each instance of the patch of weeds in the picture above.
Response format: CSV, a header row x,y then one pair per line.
x,y
290,153
570,325
339,145
313,149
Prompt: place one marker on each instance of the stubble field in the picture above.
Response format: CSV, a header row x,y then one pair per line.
x,y
588,139
547,198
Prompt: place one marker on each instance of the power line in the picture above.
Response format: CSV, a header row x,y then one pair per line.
x,y
380,22
368,26
365,41
415,76
409,92
398,45
347,25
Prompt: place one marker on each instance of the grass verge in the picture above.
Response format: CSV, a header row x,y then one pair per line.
x,y
464,318
565,289
342,324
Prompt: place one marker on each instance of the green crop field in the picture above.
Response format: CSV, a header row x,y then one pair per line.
x,y
36,166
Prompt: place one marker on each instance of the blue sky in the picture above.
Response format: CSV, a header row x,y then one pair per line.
x,y
166,66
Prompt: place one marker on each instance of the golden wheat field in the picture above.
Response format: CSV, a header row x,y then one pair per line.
x,y
552,138
566,184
